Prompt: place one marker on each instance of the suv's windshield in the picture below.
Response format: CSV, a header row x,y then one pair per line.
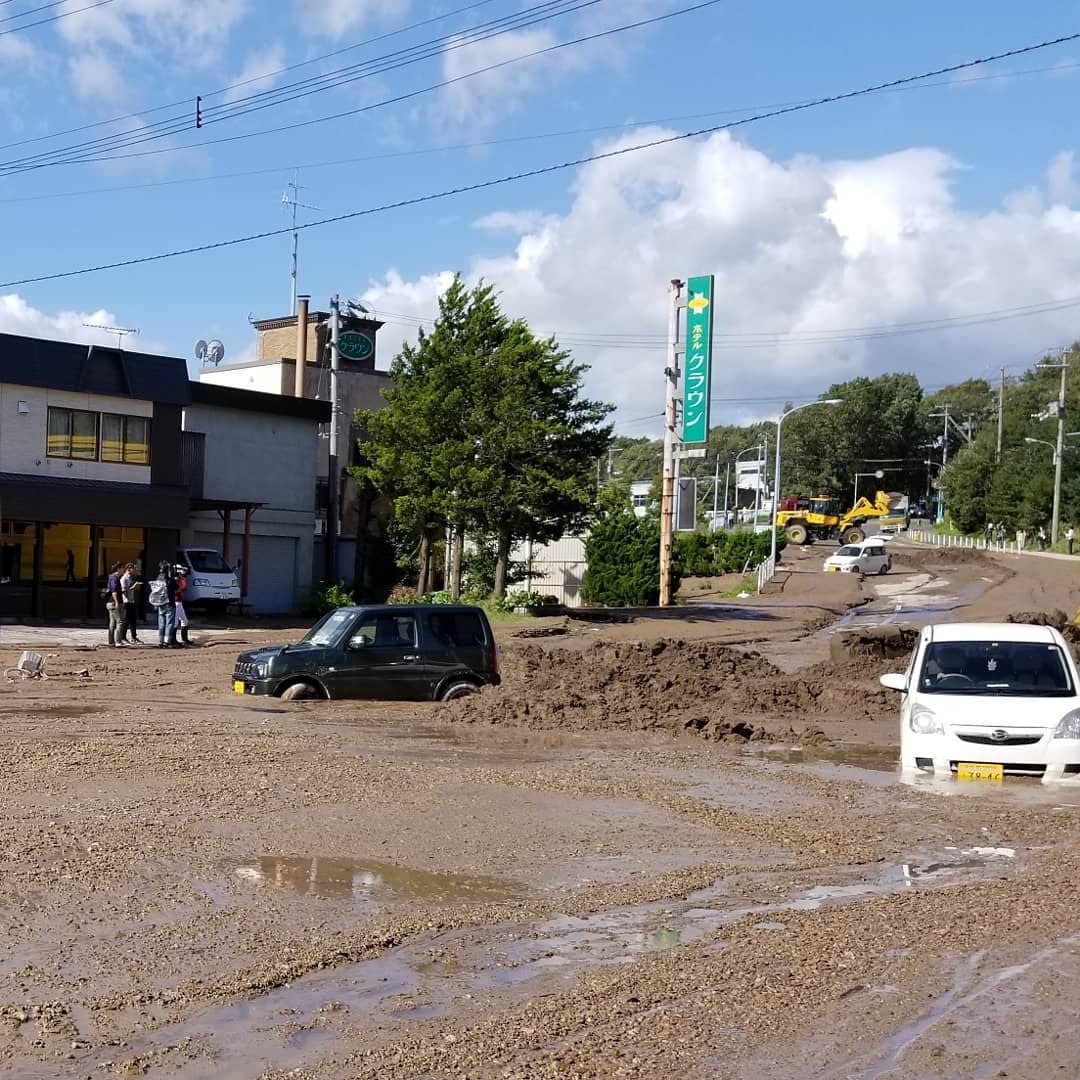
x,y
208,562
1016,668
850,552
328,629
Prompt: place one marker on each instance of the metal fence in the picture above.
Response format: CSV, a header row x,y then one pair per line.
x,y
972,543
765,571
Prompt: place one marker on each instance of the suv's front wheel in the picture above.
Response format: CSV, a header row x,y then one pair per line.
x,y
460,689
299,691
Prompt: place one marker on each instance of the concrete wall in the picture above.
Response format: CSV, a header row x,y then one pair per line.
x,y
269,459
257,457
23,435
264,378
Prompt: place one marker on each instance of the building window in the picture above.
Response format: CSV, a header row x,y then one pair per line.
x,y
73,433
125,439
639,501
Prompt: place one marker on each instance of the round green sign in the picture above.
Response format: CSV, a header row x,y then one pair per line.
x,y
355,346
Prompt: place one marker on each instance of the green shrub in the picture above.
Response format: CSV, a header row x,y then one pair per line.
x,y
326,597
623,558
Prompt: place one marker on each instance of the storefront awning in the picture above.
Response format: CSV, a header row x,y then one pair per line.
x,y
92,502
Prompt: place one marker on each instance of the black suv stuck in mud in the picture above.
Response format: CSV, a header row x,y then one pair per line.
x,y
417,652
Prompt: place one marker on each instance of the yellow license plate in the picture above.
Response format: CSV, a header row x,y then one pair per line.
x,y
832,569
970,770
238,687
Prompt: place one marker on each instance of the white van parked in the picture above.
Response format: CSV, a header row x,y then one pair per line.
x,y
869,557
212,582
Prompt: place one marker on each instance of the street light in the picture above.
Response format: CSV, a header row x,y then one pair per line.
x,y
776,471
757,480
879,473
1044,442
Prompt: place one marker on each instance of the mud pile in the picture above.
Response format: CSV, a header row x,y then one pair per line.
x,y
891,642
1057,619
703,687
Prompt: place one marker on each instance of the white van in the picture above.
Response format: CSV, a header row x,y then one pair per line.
x,y
212,582
868,557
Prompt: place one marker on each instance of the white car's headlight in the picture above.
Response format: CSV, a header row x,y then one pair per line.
x,y
1069,726
923,721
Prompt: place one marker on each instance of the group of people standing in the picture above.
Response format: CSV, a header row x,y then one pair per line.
x,y
998,533
165,596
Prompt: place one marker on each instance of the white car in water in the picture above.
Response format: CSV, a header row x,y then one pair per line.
x,y
868,557
989,700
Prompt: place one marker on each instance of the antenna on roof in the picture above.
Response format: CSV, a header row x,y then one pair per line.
x,y
120,331
211,352
291,198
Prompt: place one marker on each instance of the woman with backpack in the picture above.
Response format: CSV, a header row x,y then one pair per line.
x,y
162,598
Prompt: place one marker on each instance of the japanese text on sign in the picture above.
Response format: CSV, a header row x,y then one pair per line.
x,y
698,367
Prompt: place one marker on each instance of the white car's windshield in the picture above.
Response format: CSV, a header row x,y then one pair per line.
x,y
1011,668
850,552
328,629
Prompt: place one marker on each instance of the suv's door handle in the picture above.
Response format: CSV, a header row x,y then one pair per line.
x,y
411,656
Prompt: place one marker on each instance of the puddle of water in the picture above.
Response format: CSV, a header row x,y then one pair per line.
x,y
286,1026
877,765
52,712
353,879
1014,790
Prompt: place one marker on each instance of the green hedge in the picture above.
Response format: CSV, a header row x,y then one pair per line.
x,y
725,552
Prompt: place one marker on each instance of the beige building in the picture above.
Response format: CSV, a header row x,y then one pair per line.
x,y
360,387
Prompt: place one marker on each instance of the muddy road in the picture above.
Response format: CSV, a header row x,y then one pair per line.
x,y
669,847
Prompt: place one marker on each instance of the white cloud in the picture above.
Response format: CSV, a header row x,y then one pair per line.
x,y
18,317
257,73
95,75
802,249
1061,182
333,18
192,31
16,50
483,99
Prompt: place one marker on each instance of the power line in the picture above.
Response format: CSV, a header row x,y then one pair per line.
x,y
541,171
246,82
449,148
175,125
49,19
15,168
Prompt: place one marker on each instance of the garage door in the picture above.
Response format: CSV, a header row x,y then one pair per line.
x,y
272,573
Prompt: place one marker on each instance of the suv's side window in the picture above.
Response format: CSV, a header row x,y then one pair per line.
x,y
457,628
386,630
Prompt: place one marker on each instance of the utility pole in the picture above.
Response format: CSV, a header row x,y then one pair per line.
x,y
667,501
1001,413
1059,456
332,482
715,493
944,458
727,480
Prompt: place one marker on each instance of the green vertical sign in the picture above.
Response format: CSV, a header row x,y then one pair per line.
x,y
697,374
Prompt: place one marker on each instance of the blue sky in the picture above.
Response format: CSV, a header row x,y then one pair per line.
x,y
932,197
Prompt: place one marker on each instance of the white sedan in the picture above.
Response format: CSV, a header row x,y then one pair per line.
x,y
988,700
869,557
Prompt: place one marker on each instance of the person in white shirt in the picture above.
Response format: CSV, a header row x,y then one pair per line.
x,y
1070,536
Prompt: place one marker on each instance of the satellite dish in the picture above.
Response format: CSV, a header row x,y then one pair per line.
x,y
200,349
215,352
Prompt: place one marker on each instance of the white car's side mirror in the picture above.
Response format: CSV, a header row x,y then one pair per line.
x,y
894,682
